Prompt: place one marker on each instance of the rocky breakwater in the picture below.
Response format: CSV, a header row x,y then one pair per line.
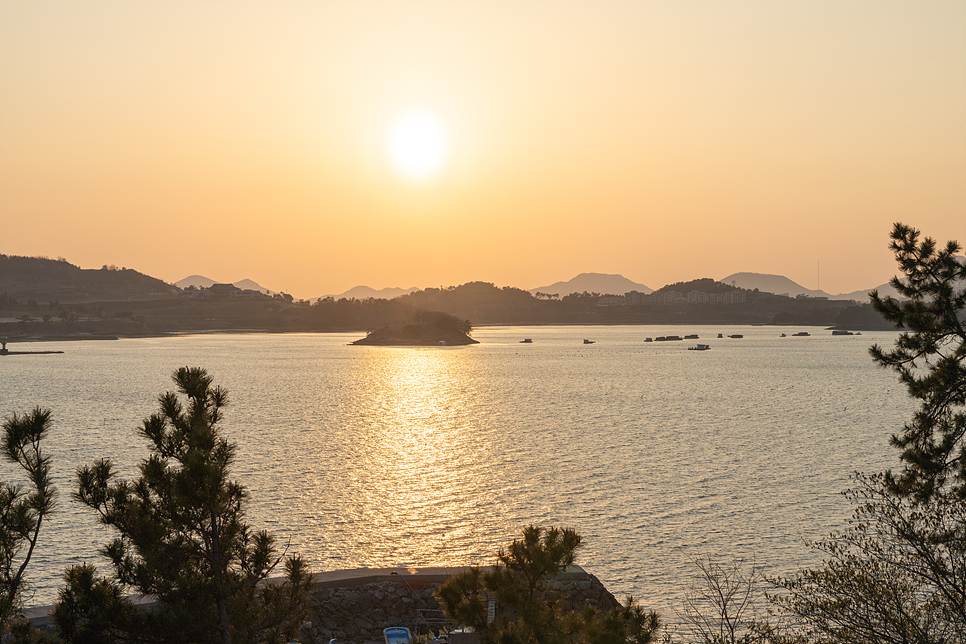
x,y
354,606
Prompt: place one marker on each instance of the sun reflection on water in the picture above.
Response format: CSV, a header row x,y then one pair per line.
x,y
419,457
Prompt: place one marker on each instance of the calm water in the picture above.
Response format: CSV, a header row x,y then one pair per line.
x,y
370,456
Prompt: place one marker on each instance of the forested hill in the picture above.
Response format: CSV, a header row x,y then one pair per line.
x,y
42,297
485,303
56,280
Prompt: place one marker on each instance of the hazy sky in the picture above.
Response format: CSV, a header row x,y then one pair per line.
x,y
664,141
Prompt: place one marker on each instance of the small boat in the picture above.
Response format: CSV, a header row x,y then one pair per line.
x,y
648,339
736,336
699,347
397,635
783,335
801,334
588,341
720,336
526,341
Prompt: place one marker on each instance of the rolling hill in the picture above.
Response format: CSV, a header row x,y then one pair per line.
x,y
49,280
205,282
365,292
781,285
594,283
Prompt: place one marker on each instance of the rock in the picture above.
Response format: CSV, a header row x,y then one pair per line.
x,y
356,614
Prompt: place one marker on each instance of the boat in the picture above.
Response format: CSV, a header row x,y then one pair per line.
x,y
736,336
720,336
783,335
668,338
801,334
397,635
699,347
841,332
693,336
586,341
526,341
648,339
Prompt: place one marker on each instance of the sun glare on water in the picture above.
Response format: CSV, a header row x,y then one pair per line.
x,y
417,145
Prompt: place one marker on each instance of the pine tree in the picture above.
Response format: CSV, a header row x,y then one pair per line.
x,y
930,358
182,531
22,512
898,572
528,610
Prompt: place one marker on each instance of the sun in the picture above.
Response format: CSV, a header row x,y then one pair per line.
x,y
417,145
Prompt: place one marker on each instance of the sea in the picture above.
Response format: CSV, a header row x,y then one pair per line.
x,y
436,456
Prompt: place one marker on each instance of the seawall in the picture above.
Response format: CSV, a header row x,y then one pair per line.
x,y
354,606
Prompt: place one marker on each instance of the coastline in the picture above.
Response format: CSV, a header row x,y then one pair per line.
x,y
356,604
82,336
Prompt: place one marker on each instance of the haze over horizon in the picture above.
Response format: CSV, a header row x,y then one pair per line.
x,y
314,148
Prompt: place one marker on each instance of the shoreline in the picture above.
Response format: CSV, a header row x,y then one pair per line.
x,y
63,337
356,604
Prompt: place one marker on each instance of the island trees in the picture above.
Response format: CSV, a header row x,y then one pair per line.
x,y
22,510
182,534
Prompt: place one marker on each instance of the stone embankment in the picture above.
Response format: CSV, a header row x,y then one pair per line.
x,y
355,605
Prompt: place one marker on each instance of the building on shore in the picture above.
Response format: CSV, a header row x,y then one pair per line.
x,y
670,298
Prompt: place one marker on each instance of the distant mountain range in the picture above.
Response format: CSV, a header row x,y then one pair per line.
x,y
594,283
23,277
356,292
604,283
200,281
780,285
365,292
121,301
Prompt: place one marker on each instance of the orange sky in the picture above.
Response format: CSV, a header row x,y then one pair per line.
x,y
664,141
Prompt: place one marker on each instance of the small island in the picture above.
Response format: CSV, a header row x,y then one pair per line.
x,y
426,329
